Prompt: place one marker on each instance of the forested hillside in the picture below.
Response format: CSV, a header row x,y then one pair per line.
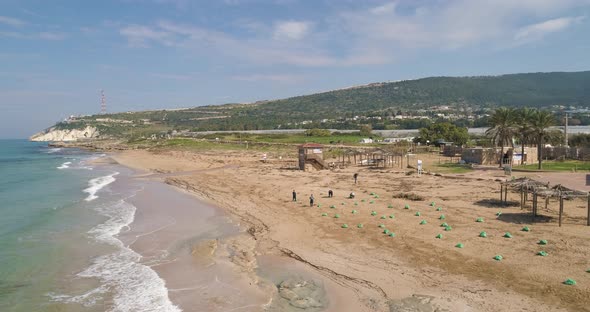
x,y
402,104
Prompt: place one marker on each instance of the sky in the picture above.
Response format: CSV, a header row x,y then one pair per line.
x,y
56,56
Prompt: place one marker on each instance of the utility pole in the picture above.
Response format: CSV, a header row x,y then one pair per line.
x,y
565,130
103,103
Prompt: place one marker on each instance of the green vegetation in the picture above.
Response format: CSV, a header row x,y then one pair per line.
x,y
569,165
524,124
444,131
372,106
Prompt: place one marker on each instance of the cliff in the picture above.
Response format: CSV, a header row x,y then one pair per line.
x,y
64,135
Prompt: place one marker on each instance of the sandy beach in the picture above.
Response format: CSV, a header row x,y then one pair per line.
x,y
363,269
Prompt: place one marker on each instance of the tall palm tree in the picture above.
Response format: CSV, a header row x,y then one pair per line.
x,y
540,123
522,126
501,128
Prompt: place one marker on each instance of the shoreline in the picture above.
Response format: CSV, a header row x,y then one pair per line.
x,y
410,280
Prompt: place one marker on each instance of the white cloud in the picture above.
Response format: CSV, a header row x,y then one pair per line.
x,y
384,9
171,76
52,35
371,35
11,21
538,30
291,30
140,36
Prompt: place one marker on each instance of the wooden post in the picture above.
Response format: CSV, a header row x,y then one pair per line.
x,y
521,197
560,209
505,193
534,205
546,202
501,191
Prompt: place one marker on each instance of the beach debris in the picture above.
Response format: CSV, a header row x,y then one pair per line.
x,y
499,213
542,253
332,206
570,282
407,206
498,257
390,206
526,229
345,226
383,217
360,225
479,220
324,214
432,204
381,225
483,234
439,209
354,211
459,245
417,213
439,236
448,228
442,217
444,224
423,222
336,216
542,242
507,235
391,216
386,231
373,213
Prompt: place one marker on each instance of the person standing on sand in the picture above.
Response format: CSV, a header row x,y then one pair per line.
x,y
311,200
330,194
294,196
355,176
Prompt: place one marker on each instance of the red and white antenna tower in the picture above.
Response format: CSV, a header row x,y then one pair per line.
x,y
103,103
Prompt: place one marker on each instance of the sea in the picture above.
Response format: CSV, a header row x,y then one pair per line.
x,y
60,217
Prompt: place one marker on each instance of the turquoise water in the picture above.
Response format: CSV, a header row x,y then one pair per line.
x,y
60,217
39,214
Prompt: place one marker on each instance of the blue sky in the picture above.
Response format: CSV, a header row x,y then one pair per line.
x,y
56,56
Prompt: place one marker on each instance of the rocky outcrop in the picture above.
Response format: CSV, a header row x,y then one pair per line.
x,y
65,135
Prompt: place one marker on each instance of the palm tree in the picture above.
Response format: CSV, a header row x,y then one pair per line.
x,y
501,128
522,123
540,122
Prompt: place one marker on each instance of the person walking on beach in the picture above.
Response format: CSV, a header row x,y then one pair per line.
x,y
330,194
294,196
311,200
355,176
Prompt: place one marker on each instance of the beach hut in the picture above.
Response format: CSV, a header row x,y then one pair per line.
x,y
311,153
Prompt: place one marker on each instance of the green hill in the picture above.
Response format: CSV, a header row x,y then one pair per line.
x,y
467,98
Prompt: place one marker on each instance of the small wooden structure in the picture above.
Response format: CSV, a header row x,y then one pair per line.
x,y
526,185
311,153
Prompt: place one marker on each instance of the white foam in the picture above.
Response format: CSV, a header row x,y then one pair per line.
x,y
135,286
65,165
97,184
53,150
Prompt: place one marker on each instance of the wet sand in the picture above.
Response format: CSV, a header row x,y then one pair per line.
x,y
363,269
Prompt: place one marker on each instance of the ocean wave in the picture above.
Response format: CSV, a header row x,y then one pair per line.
x,y
97,184
65,165
52,150
135,286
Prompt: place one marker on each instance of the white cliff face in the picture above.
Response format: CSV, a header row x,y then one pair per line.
x,y
54,135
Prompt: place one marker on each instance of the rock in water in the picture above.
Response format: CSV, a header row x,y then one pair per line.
x,y
302,294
